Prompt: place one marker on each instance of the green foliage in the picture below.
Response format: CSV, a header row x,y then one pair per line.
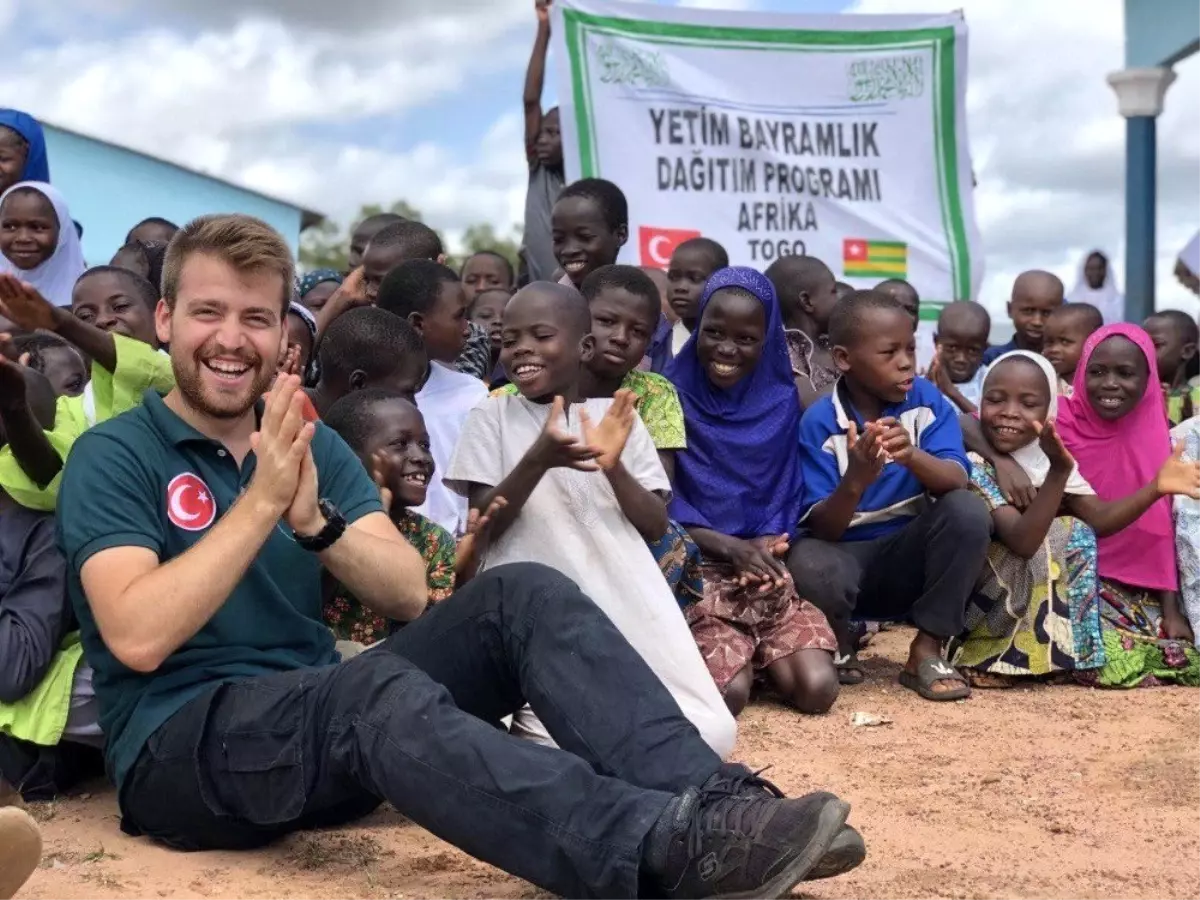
x,y
325,246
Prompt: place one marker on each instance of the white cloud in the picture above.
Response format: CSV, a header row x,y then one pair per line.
x,y
1049,145
255,100
343,16
738,5
248,91
452,193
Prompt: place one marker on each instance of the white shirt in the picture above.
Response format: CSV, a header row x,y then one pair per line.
x,y
445,399
679,337
572,522
972,388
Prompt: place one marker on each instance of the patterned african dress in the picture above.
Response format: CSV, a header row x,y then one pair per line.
x,y
351,621
1036,616
1187,529
657,405
737,626
1138,653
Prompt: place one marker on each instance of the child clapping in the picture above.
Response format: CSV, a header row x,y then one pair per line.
x,y
585,491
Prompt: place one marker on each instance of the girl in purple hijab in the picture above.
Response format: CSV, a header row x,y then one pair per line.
x,y
737,492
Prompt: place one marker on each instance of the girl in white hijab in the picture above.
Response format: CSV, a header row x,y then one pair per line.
x,y
1097,285
1036,611
38,240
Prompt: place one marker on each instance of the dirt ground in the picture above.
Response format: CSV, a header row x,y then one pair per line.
x,y
1038,792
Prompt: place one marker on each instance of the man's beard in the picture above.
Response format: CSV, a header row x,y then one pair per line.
x,y
189,380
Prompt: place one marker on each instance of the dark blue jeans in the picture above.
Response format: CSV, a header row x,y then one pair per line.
x,y
414,722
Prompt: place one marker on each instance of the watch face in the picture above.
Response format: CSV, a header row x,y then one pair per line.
x,y
328,510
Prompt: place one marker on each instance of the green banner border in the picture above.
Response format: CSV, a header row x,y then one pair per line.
x,y
941,40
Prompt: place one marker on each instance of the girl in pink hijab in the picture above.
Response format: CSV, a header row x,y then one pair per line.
x,y
1115,426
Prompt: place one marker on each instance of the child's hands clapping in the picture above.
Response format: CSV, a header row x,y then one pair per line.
x,y
556,448
1056,451
609,437
473,545
866,454
894,439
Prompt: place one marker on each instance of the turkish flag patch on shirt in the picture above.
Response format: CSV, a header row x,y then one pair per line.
x,y
190,504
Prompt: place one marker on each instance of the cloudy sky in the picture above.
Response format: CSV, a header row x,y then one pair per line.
x,y
335,103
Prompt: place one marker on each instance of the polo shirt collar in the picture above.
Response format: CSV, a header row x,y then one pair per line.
x,y
171,427
843,408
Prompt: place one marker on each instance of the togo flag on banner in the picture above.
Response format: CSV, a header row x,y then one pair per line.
x,y
836,136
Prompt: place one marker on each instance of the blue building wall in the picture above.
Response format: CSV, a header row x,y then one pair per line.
x,y
1160,32
110,189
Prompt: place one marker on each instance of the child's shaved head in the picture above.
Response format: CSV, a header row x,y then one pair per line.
x,y
561,304
965,317
1083,315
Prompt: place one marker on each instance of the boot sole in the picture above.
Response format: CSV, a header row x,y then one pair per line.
x,y
830,820
847,852
20,849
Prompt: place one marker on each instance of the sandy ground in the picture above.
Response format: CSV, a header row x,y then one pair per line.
x,y
1039,792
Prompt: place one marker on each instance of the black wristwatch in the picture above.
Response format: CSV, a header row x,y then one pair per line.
x,y
335,527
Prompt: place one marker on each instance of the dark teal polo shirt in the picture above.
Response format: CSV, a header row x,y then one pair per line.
x,y
148,479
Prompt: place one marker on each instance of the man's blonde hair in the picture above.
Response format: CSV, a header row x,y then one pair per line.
x,y
249,245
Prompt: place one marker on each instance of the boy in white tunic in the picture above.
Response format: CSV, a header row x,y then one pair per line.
x,y
585,489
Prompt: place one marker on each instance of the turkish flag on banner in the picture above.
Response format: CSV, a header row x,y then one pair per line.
x,y
657,244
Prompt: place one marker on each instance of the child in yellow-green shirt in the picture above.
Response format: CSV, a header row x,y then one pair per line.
x,y
111,321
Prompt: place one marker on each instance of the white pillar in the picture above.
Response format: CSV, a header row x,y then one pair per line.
x,y
1140,92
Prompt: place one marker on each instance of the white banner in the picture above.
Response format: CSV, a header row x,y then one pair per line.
x,y
837,136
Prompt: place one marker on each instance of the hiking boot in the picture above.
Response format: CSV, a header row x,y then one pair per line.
x,y
713,843
848,849
735,778
20,849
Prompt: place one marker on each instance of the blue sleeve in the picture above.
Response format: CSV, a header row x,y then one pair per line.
x,y
109,497
943,436
341,477
819,465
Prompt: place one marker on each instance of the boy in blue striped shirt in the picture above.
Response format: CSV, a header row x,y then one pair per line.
x,y
890,529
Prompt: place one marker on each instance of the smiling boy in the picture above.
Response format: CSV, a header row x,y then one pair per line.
x,y
585,488
589,226
892,530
